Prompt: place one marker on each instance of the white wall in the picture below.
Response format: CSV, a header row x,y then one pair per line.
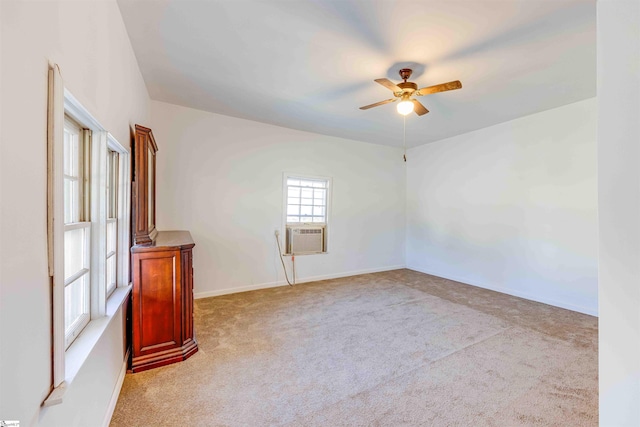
x,y
89,42
619,211
221,178
511,207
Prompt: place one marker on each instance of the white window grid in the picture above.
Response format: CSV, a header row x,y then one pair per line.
x,y
307,200
77,233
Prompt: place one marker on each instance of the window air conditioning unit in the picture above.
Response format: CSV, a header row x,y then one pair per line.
x,y
305,240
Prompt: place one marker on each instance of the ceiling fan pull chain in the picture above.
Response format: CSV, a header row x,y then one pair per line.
x,y
404,137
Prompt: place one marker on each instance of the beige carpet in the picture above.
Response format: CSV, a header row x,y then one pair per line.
x,y
398,348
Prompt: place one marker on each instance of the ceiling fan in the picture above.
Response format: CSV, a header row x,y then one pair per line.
x,y
405,90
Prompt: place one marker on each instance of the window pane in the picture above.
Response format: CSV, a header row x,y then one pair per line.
x,y
111,236
74,158
69,197
110,185
67,152
70,152
75,201
72,161
111,273
306,200
76,301
294,192
74,251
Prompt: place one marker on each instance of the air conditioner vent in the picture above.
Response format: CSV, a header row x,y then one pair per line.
x,y
305,240
310,231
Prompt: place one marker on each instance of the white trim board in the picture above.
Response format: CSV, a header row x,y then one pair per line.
x,y
116,392
227,291
579,309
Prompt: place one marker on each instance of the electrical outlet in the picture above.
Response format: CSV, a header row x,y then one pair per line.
x,y
277,232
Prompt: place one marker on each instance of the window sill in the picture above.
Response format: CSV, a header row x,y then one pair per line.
x,y
306,253
78,353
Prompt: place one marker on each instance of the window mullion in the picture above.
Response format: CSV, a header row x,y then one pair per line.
x,y
69,280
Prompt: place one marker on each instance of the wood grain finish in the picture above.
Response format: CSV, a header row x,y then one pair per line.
x,y
143,186
162,312
162,273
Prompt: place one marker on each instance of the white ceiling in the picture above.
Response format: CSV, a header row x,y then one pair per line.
x,y
309,65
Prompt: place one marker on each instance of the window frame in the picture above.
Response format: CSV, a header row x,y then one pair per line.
x,y
328,197
79,219
300,189
123,210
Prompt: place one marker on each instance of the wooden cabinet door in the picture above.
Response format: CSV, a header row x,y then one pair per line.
x,y
158,301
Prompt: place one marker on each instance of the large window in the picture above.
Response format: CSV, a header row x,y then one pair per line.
x,y
88,223
77,230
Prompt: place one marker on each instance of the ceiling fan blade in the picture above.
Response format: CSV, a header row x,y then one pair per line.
x,y
386,101
442,87
389,85
419,108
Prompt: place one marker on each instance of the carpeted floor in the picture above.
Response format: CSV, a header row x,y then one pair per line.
x,y
398,348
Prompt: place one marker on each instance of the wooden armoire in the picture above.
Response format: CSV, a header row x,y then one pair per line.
x,y
161,270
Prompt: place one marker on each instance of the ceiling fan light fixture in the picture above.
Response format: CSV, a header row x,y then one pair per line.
x,y
405,106
403,92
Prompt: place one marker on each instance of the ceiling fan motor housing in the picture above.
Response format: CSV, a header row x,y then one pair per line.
x,y
408,86
405,73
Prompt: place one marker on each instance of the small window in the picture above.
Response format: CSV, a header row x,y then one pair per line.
x,y
307,200
306,213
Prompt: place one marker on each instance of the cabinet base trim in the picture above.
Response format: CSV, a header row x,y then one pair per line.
x,y
155,360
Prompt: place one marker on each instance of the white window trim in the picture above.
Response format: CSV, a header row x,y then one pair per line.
x,y
55,214
285,224
67,363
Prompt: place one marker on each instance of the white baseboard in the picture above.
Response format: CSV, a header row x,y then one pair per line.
x,y
116,392
508,291
234,290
